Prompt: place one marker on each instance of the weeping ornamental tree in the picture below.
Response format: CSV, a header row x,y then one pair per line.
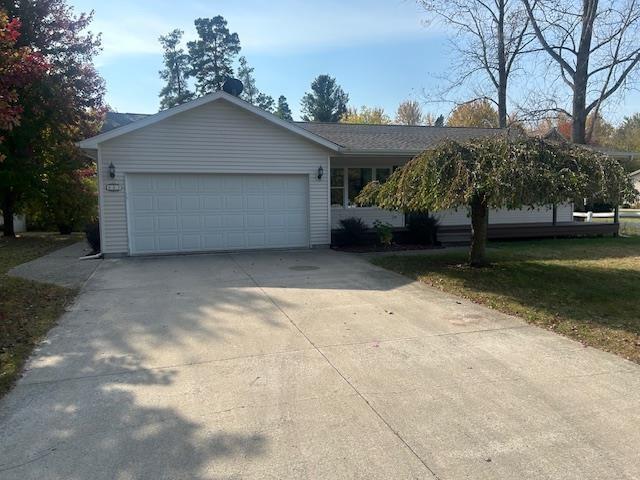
x,y
498,172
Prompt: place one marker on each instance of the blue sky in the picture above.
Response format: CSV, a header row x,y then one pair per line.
x,y
380,51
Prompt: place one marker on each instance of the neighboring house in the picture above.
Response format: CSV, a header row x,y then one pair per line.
x,y
219,174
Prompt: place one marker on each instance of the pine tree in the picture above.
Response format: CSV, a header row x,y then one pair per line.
x,y
265,102
175,72
283,111
326,102
212,54
245,75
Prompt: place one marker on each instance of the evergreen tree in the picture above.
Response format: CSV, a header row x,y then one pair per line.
x,y
175,72
326,102
265,102
439,121
212,54
283,111
245,75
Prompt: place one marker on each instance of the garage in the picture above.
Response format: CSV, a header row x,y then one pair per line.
x,y
173,213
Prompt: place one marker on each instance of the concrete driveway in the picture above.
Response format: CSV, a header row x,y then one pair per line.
x,y
308,365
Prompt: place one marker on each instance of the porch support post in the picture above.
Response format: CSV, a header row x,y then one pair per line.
x,y
554,220
616,219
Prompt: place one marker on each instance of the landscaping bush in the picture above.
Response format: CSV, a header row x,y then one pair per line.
x,y
92,231
384,232
353,231
423,228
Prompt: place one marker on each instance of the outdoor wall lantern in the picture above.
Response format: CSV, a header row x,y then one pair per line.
x,y
320,172
112,170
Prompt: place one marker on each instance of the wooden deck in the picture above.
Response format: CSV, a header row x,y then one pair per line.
x,y
461,234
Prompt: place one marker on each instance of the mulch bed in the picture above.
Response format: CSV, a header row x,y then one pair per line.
x,y
382,248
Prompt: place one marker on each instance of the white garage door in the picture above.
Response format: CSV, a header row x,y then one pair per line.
x,y
191,213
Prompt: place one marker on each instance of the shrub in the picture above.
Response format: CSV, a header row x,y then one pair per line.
x,y
423,228
92,231
384,231
353,231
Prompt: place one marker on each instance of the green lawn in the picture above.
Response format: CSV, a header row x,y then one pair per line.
x,y
587,289
27,309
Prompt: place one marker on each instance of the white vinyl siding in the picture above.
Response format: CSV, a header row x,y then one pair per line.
x,y
214,138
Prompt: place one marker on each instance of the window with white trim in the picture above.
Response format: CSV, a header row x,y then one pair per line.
x,y
348,182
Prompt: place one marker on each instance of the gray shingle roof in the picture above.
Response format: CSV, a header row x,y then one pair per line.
x,y
115,119
359,137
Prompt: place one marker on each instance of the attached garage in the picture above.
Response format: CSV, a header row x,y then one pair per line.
x,y
214,174
190,213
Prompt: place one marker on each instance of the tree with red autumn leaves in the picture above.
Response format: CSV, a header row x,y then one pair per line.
x,y
19,67
58,108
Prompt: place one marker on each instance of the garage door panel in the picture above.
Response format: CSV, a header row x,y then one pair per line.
x,y
191,222
182,213
188,184
189,203
296,220
212,221
143,243
210,183
144,224
232,221
141,184
142,202
191,242
236,240
256,239
168,243
166,203
213,242
164,183
294,238
232,184
276,220
166,224
253,221
234,202
212,202
296,187
255,202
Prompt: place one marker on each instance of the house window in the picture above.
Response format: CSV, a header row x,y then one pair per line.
x,y
347,183
382,174
357,178
337,187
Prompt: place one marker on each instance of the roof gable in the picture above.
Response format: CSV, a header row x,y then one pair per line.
x,y
142,121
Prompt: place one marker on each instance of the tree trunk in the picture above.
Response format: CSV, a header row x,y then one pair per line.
x,y
7,215
502,69
479,230
579,114
581,76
